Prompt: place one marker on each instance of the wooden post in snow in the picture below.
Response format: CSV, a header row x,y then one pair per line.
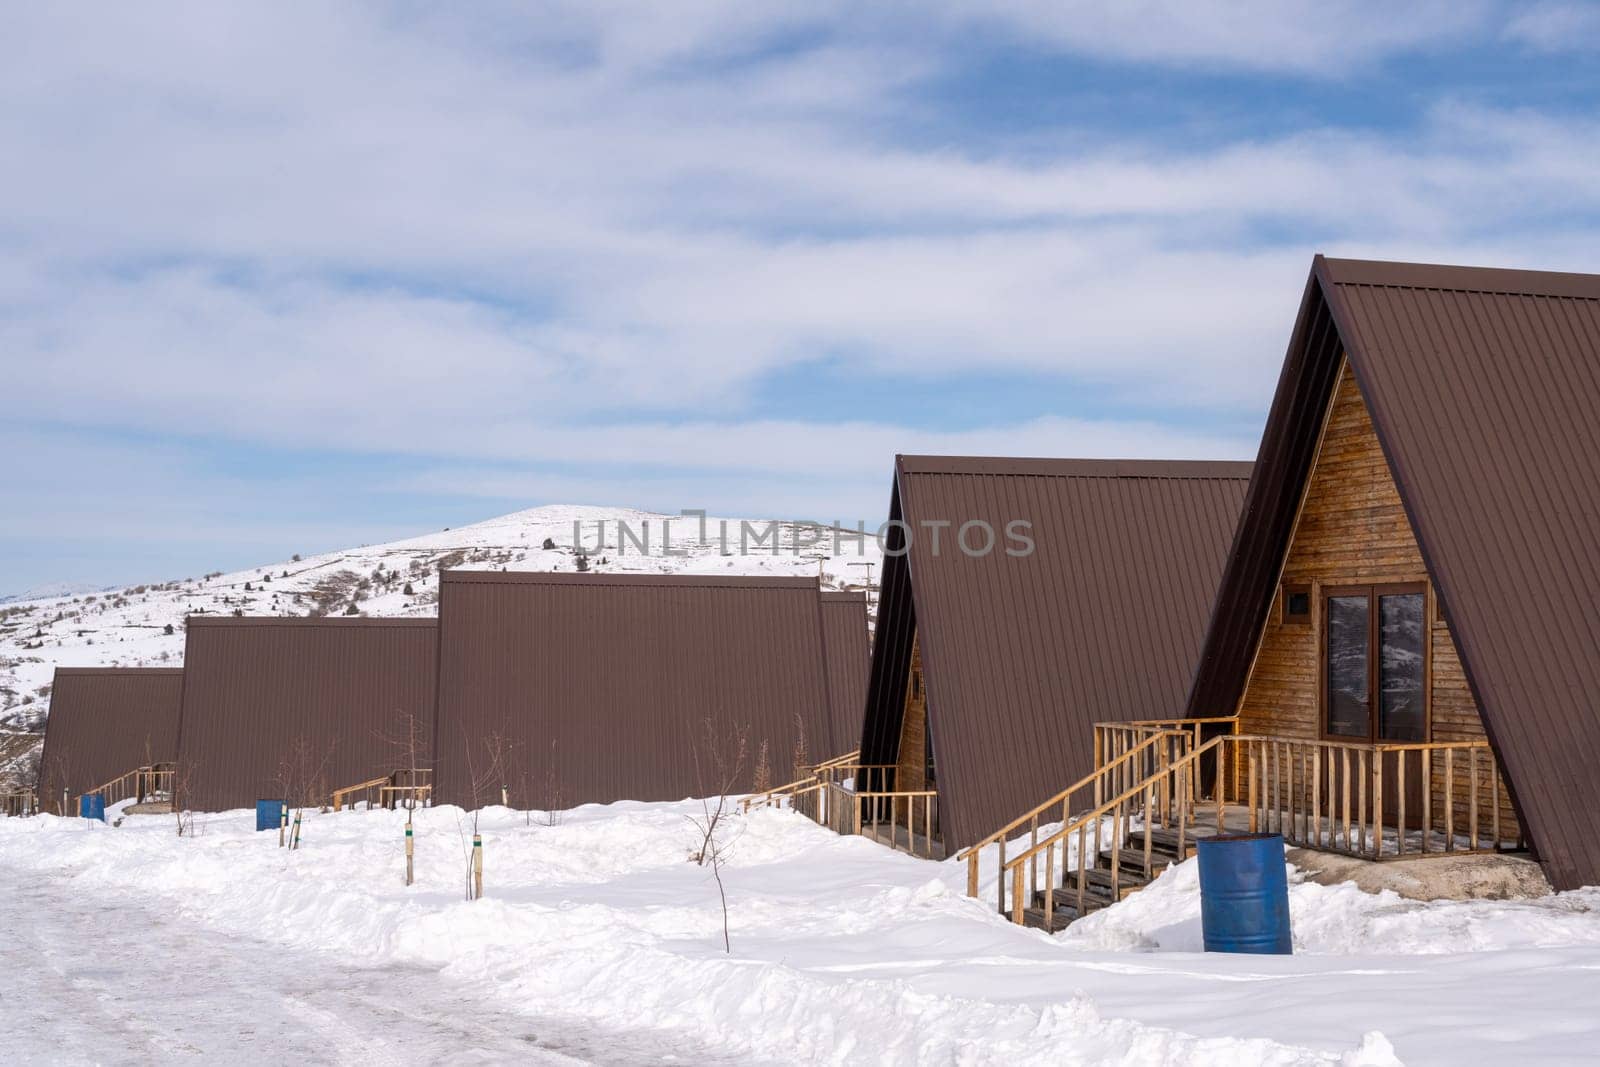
x,y
410,851
477,866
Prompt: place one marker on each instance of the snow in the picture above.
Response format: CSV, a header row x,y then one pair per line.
x,y
127,627
843,951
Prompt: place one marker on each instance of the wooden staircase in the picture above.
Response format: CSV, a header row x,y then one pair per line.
x,y
151,785
1102,889
1114,831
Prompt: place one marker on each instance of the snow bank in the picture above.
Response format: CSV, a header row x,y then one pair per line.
x,y
1344,920
842,950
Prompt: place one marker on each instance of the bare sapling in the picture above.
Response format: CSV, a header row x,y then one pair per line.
x,y
486,773
181,774
802,754
408,740
761,782
552,800
303,777
720,758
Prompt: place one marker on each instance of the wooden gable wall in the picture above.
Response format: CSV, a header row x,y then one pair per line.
x,y
911,762
1352,530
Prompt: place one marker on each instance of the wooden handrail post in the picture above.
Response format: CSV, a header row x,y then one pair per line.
x,y
1254,828
1016,895
1494,797
1083,867
1377,806
1426,762
1472,802
1344,771
1400,801
1316,796
1449,800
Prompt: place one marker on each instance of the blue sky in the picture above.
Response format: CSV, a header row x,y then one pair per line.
x,y
289,278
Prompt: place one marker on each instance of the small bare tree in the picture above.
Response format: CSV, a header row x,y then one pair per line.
x,y
486,777
802,757
551,803
719,767
303,777
408,739
182,773
763,773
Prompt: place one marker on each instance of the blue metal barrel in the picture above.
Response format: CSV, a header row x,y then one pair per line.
x,y
267,814
92,806
1244,894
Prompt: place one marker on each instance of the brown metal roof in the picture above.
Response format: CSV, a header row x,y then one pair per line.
x,y
600,684
105,722
254,686
844,630
1022,654
1482,385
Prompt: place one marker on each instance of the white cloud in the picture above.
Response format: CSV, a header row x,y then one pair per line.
x,y
455,236
1556,27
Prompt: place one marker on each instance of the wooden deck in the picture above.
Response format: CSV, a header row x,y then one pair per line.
x,y
898,837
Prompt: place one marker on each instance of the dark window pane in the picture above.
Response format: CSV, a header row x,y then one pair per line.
x,y
1348,708
1400,636
1299,604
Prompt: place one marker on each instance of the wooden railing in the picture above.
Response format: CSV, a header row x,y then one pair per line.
x,y
803,791
1374,801
19,803
367,790
152,782
1379,801
850,797
881,813
1130,763
403,787
1161,799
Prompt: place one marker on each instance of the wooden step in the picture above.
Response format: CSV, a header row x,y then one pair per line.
x,y
1065,914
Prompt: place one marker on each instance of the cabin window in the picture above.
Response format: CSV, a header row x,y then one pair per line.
x,y
1374,642
1297,604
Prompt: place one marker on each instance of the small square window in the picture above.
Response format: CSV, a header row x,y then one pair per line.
x,y
1297,605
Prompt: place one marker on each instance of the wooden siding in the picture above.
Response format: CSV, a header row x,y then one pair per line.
x,y
911,758
1352,530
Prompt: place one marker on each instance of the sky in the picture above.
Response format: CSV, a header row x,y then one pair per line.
x,y
290,277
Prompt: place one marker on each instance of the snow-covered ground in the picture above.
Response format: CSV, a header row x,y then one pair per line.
x,y
130,627
842,952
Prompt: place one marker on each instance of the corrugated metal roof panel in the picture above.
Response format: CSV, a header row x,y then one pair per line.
x,y
600,685
254,687
105,722
1021,654
1482,386
844,628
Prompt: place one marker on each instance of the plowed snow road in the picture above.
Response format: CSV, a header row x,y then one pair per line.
x,y
88,983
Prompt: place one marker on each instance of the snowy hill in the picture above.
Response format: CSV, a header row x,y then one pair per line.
x,y
52,591
142,625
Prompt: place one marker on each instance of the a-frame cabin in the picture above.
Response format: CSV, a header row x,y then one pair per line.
x,y
1417,566
1024,600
